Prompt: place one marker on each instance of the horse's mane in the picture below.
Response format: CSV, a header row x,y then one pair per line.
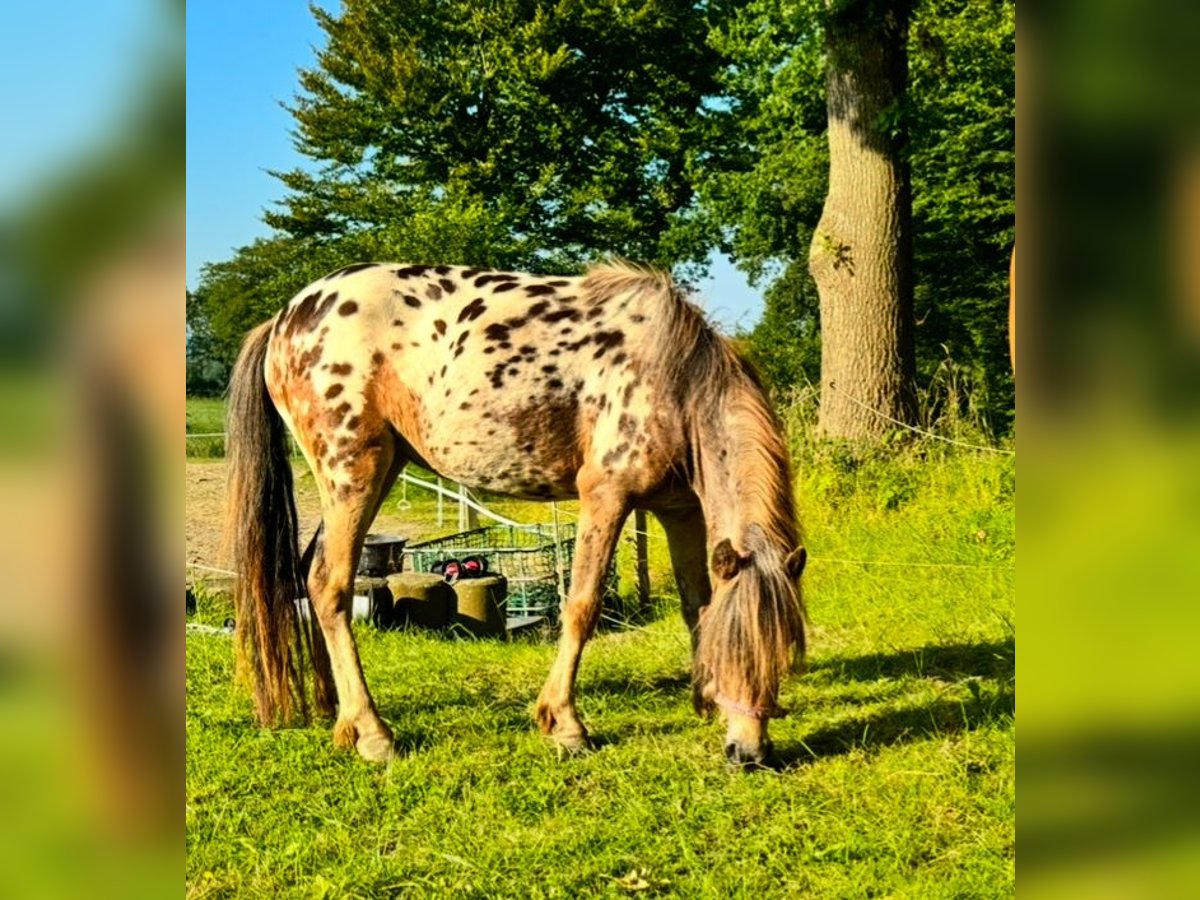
x,y
712,382
755,630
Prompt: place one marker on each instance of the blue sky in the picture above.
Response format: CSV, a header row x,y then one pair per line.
x,y
242,60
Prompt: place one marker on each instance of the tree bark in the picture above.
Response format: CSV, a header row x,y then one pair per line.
x,y
861,252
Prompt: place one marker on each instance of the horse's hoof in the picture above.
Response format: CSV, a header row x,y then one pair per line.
x,y
377,748
575,744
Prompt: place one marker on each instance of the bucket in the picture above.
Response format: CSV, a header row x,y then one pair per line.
x,y
382,554
480,605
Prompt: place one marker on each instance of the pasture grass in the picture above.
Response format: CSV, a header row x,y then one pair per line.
x,y
898,754
205,416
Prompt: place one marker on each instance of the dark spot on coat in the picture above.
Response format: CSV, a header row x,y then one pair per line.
x,y
529,350
447,285
458,352
496,332
397,346
352,422
550,369
348,308
606,340
516,321
558,283
627,425
341,368
308,313
377,357
537,309
334,417
350,270
472,310
443,372
538,290
442,270
414,302
334,391
499,276
433,292
619,358
554,383
440,326
411,271
489,349
615,454
527,448
595,312
467,274
507,286
559,314
464,405
397,323
637,317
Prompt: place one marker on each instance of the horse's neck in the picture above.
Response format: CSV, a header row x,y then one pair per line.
x,y
742,476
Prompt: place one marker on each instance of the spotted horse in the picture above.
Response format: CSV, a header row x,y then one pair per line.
x,y
610,387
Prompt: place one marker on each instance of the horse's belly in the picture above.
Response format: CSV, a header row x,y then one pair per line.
x,y
498,462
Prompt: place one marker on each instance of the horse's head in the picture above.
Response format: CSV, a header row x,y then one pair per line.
x,y
750,635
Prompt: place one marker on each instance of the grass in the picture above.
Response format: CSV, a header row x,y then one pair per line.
x,y
899,750
205,416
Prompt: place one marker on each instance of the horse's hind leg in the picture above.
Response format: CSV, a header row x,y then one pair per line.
x,y
602,509
348,508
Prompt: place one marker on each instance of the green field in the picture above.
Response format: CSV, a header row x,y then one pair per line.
x,y
898,754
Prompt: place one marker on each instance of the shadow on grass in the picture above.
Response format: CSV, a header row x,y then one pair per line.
x,y
986,668
950,662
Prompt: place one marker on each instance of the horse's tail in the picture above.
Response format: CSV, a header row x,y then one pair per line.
x,y
261,541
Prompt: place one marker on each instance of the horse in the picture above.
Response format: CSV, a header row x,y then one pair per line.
x,y
610,387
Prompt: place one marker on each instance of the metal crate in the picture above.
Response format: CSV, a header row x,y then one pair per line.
x,y
526,555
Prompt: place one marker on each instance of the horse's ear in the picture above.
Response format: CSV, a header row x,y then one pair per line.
x,y
726,562
795,563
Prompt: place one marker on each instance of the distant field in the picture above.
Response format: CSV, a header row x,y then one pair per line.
x,y
205,416
899,749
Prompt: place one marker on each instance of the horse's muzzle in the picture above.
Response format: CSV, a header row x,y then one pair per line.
x,y
746,757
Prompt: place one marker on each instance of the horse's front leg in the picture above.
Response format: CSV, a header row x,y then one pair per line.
x,y
602,510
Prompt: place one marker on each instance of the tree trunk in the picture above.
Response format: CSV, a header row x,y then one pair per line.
x,y
861,252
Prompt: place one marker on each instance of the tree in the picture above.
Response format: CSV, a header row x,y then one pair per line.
x,y
575,128
765,183
861,251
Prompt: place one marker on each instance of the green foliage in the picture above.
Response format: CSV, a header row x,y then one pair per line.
x,y
962,83
570,128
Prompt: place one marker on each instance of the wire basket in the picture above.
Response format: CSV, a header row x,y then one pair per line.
x,y
538,569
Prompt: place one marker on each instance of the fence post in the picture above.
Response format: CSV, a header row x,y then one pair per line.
x,y
468,519
643,558
558,560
